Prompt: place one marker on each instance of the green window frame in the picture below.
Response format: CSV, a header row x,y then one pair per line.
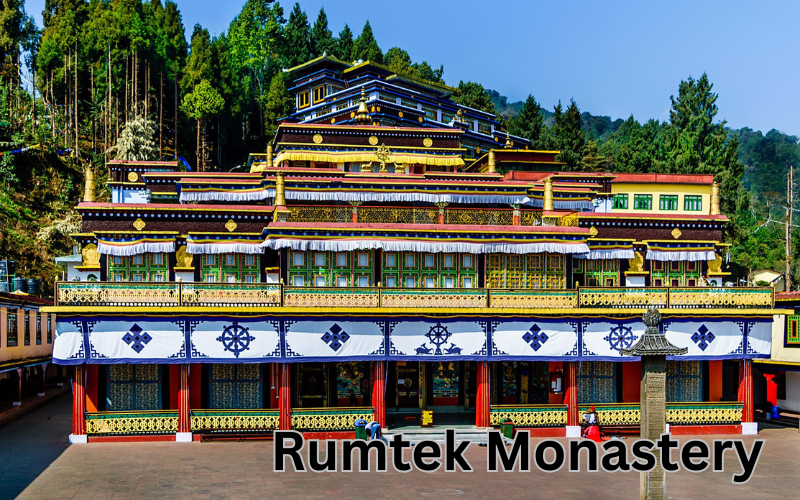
x,y
620,201
643,202
692,203
792,331
11,327
668,202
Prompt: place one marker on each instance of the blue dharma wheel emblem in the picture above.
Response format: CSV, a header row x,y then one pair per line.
x,y
438,335
620,337
236,338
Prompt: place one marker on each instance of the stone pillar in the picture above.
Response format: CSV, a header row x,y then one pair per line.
x,y
749,426
18,389
379,391
482,397
653,421
285,399
772,388
571,399
184,434
78,435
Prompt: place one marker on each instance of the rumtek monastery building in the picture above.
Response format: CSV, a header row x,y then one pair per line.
x,y
394,252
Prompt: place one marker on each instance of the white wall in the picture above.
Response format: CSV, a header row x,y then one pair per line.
x,y
792,401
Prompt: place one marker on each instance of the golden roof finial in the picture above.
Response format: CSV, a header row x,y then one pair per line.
x,y
509,143
362,115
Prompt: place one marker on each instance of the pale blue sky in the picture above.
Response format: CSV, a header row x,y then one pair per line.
x,y
614,58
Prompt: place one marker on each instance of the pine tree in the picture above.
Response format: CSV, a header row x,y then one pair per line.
x,y
569,136
344,44
199,64
529,123
366,47
398,60
473,95
297,35
426,72
321,36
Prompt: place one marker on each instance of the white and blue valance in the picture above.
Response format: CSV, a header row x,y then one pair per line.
x,y
134,244
691,251
398,194
204,243
609,249
263,339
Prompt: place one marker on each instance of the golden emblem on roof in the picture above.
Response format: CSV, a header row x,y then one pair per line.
x,y
373,140
317,139
676,233
427,142
133,177
383,155
139,224
230,225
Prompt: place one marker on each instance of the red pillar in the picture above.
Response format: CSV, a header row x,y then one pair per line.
x,y
482,398
78,403
746,389
772,388
571,393
285,399
184,412
379,391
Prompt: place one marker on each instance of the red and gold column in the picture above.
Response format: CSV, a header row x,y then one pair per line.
x,y
379,392
482,397
184,409
749,426
285,398
571,399
78,435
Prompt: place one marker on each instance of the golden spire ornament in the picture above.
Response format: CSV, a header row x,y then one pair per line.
x,y
509,143
362,115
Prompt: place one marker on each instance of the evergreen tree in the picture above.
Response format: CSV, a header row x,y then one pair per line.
x,y
344,44
297,34
279,104
569,136
593,160
199,63
473,95
321,36
398,60
426,72
137,141
529,123
366,47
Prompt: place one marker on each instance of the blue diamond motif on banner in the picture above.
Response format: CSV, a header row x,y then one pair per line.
x,y
137,338
703,337
335,337
535,337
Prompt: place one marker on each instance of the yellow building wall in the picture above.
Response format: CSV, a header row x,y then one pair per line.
x,y
631,189
779,352
22,351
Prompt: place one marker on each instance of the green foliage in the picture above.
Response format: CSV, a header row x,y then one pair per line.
x,y
279,103
473,95
398,60
298,48
321,36
136,142
344,44
529,123
366,47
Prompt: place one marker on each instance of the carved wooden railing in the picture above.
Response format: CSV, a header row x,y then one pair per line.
x,y
132,422
131,294
529,415
330,419
690,413
234,420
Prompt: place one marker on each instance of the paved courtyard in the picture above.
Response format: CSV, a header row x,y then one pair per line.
x,y
36,462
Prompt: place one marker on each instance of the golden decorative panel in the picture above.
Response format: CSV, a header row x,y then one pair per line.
x,y
232,420
431,297
329,419
676,233
623,297
373,140
118,294
479,217
230,226
317,139
534,299
741,297
230,294
530,218
139,224
571,220
155,422
427,142
133,177
183,258
320,214
91,257
529,415
329,297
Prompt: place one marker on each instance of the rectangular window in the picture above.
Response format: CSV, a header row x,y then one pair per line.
x,y
484,128
363,260
447,261
211,259
230,278
668,202
138,277
447,117
38,330
430,282
319,94
249,260
319,259
249,278
363,281
692,203
230,259
341,259
118,260
211,278
410,282
468,282
391,260
620,201
298,280
49,330
430,112
391,281
466,261
298,259
341,281
447,281
410,260
158,259
133,387
138,260
408,103
302,99
118,277
26,334
157,277
11,328
643,202
319,280
429,260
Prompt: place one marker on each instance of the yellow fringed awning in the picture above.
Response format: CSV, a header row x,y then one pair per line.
x,y
352,156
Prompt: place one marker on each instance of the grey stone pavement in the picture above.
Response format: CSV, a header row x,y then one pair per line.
x,y
37,462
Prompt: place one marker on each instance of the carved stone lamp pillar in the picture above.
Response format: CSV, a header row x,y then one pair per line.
x,y
653,347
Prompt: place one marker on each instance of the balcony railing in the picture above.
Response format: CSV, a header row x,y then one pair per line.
x,y
689,413
417,215
167,295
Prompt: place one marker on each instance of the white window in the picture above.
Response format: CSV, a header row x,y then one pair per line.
x,y
341,281
211,278
410,282
429,260
137,259
320,259
118,260
117,277
448,282
298,281
298,259
138,277
158,277
363,281
363,260
447,260
410,261
466,261
158,259
319,280
467,282
230,278
391,260
249,278
230,259
211,259
430,282
249,260
341,259
391,281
